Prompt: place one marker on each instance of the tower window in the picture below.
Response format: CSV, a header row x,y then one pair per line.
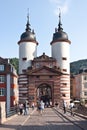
x,y
24,94
50,76
64,58
64,83
24,70
24,58
37,76
65,70
63,95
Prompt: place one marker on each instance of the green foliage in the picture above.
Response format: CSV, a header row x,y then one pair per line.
x,y
15,63
77,65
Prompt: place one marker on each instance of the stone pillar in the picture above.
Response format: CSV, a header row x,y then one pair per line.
x,y
2,112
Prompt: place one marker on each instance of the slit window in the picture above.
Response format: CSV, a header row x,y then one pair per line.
x,y
65,70
64,58
24,58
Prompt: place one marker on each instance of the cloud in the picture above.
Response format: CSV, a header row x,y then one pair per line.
x,y
63,5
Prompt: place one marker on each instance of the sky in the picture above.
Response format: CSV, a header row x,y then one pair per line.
x,y
43,18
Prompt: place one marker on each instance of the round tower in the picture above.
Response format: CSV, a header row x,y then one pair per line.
x,y
27,48
60,48
60,51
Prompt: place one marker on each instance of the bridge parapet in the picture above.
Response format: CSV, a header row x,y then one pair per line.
x,y
2,112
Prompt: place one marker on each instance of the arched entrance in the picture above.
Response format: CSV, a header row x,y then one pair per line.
x,y
44,93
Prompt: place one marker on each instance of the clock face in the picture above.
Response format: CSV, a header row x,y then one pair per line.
x,y
37,65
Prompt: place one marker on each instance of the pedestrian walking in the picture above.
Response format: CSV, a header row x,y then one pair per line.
x,y
72,108
38,106
47,104
25,109
21,108
64,106
42,106
33,106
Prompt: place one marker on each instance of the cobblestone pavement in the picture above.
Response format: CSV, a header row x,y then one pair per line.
x,y
49,120
14,122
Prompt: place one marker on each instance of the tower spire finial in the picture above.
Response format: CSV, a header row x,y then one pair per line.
x,y
28,15
60,24
28,24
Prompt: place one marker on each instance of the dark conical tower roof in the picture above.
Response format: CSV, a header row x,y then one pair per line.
x,y
59,34
28,35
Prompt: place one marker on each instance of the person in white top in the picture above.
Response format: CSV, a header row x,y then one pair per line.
x,y
33,105
42,106
71,108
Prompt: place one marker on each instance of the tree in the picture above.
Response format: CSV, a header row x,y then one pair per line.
x,y
15,63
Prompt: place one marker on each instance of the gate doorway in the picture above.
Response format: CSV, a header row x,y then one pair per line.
x,y
44,93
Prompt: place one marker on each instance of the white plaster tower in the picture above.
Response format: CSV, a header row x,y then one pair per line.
x,y
27,48
27,52
60,51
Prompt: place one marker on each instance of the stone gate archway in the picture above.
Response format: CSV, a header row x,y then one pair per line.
x,y
44,92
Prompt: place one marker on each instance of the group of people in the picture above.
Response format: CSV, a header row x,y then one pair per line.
x,y
71,107
24,108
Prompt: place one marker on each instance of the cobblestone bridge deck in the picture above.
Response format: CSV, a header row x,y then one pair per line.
x,y
49,120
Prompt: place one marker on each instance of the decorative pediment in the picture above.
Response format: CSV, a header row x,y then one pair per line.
x,y
44,71
43,57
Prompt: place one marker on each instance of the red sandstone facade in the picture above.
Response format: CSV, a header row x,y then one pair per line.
x,y
43,81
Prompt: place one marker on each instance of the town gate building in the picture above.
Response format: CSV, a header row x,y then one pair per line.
x,y
43,77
